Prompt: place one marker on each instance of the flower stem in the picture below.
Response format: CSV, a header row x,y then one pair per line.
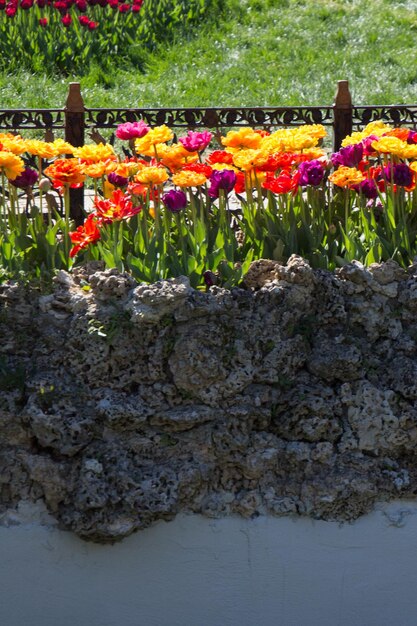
x,y
66,220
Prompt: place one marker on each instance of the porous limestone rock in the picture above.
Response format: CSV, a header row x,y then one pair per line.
x,y
122,404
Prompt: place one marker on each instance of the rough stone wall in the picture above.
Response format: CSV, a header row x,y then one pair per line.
x,y
122,404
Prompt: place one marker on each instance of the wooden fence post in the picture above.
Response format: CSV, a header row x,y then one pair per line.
x,y
342,114
74,134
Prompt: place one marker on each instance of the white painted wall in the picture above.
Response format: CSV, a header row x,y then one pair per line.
x,y
230,572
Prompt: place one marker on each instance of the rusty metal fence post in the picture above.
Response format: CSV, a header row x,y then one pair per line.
x,y
74,134
342,114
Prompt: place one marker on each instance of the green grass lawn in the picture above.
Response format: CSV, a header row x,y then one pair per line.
x,y
257,53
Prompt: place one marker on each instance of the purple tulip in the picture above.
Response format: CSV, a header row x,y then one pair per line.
x,y
196,142
349,156
367,144
399,174
221,179
26,179
377,207
210,278
311,173
367,188
412,137
117,180
132,130
174,200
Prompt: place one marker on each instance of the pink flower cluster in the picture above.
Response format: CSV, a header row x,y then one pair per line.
x,y
87,23
10,7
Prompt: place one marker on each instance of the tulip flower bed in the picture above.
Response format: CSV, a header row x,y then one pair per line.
x,y
65,35
208,211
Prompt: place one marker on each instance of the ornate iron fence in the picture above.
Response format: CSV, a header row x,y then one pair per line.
x,y
212,118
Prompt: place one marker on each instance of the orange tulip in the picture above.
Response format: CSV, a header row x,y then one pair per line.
x,y
118,207
85,234
66,172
